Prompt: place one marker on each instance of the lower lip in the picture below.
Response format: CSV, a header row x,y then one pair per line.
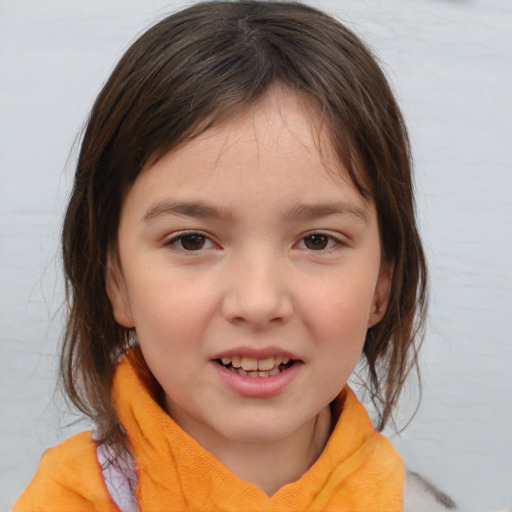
x,y
258,387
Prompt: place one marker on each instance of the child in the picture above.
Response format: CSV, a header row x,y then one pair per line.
x,y
240,231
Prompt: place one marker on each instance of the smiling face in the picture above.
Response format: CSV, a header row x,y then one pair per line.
x,y
250,268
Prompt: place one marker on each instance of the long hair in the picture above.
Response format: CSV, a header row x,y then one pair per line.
x,y
189,72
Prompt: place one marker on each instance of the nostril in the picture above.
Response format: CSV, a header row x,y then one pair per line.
x,y
257,304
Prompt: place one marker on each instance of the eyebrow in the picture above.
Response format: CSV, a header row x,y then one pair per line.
x,y
299,212
192,209
317,211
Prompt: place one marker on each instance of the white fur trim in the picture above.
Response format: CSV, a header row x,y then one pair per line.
x,y
421,496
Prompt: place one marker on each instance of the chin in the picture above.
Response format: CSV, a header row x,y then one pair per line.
x,y
258,429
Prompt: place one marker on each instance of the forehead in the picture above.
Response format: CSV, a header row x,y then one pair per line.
x,y
281,145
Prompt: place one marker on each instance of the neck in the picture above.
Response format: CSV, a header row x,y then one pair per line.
x,y
272,465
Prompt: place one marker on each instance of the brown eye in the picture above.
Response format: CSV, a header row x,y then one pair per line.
x,y
192,242
316,242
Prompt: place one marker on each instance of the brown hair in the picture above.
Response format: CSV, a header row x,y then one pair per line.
x,y
184,75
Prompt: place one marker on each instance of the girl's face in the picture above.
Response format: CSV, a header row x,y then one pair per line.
x,y
250,268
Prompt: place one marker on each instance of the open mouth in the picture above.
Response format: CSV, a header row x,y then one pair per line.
x,y
252,367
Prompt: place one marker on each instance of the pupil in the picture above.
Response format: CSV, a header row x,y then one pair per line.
x,y
192,242
316,242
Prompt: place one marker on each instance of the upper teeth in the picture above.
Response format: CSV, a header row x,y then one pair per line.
x,y
250,363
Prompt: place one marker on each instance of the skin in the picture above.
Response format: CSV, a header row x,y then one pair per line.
x,y
251,276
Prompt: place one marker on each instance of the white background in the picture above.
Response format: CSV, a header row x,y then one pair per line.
x,y
451,65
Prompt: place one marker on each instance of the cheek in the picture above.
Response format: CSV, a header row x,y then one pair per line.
x,y
341,329
337,319
340,303
169,311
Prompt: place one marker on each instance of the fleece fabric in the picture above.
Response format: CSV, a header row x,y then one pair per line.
x,y
358,471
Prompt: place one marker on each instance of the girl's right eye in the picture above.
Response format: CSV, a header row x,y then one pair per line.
x,y
191,242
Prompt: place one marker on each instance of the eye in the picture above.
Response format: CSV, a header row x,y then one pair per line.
x,y
191,241
318,242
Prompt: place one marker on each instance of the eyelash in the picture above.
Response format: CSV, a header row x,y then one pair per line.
x,y
183,235
332,242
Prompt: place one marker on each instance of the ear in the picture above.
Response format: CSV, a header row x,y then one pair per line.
x,y
381,294
117,293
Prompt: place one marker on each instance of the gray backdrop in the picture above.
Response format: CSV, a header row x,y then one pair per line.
x,y
450,62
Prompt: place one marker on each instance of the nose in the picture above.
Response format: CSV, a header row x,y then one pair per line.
x,y
256,293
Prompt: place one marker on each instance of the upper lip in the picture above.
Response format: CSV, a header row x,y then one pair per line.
x,y
256,353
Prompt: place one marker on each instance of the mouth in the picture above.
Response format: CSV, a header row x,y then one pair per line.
x,y
247,366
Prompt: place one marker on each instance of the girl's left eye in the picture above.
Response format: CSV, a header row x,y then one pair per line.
x,y
318,242
191,242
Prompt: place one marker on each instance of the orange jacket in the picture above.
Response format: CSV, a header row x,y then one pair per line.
x,y
359,470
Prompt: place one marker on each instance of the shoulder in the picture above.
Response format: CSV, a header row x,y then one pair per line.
x,y
421,496
70,460
81,444
68,478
